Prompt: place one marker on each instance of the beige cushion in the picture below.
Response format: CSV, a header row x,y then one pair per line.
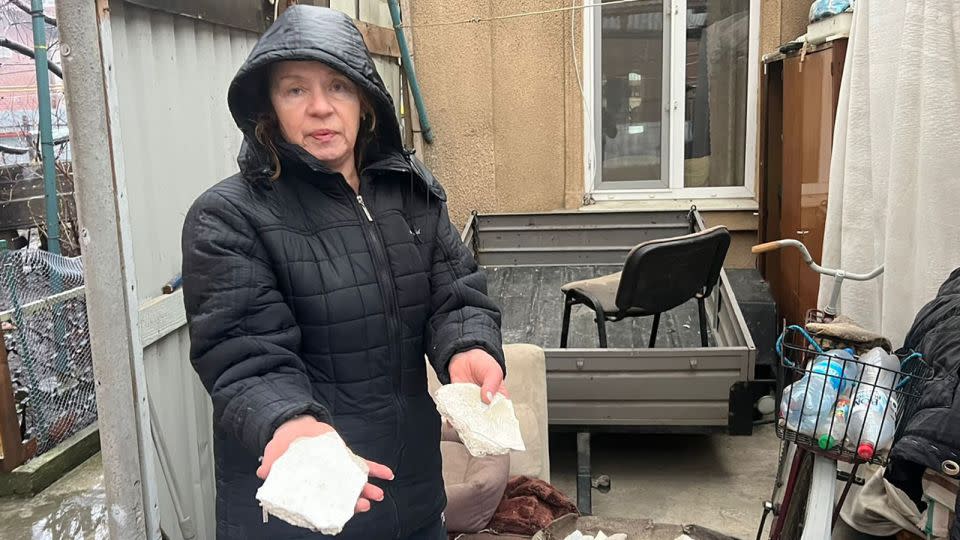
x,y
603,289
527,386
474,486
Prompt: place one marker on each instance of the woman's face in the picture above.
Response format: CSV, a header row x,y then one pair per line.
x,y
317,108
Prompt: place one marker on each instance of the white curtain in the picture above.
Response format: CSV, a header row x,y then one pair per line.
x,y
895,172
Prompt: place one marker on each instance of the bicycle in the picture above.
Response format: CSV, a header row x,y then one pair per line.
x,y
808,507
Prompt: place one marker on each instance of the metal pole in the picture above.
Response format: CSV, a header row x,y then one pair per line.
x,y
122,410
831,308
584,474
411,74
46,127
51,197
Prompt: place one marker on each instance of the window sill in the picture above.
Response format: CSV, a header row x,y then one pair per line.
x,y
707,204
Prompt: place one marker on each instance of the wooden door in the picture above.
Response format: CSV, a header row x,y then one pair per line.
x,y
771,171
808,112
791,178
815,151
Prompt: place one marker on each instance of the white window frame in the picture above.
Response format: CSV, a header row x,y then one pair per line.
x,y
674,15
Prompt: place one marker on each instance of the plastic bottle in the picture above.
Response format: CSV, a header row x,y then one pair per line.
x,y
879,425
839,365
830,434
810,401
804,402
874,413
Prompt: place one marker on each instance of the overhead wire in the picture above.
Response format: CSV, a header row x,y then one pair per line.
x,y
475,20
590,154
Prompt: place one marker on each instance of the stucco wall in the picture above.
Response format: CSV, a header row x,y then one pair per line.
x,y
793,19
504,100
770,11
781,21
507,125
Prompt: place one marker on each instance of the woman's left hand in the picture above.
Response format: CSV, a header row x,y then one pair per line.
x,y
478,367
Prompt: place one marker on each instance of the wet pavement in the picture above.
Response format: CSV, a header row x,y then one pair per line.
x,y
714,481
73,508
717,481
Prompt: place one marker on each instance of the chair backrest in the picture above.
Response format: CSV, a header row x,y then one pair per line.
x,y
660,275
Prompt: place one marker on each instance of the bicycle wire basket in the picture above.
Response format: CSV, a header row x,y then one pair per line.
x,y
813,420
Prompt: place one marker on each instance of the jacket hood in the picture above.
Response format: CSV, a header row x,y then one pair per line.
x,y
308,33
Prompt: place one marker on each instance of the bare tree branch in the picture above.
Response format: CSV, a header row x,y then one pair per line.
x,y
28,10
27,51
21,151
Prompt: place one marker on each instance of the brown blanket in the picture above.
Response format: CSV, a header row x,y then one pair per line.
x,y
529,505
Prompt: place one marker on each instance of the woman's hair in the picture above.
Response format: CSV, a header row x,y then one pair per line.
x,y
267,130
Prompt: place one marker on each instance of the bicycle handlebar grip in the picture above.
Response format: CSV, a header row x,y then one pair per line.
x,y
763,248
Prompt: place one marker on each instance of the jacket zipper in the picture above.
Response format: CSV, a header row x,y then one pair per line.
x,y
364,207
391,304
385,277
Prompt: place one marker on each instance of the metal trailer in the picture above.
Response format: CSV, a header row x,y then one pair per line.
x,y
677,387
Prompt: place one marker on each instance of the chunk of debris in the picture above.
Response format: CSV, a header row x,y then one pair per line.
x,y
486,430
315,484
577,535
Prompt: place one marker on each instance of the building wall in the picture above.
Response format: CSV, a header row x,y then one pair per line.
x,y
506,106
781,21
793,19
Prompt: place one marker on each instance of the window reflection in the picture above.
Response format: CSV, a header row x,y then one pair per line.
x,y
716,92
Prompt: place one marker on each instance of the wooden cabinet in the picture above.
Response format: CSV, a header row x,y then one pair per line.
x,y
799,95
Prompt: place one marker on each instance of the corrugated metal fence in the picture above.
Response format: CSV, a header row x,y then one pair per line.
x,y
177,138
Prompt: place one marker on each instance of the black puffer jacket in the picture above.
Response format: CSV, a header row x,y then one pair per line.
x,y
300,304
931,436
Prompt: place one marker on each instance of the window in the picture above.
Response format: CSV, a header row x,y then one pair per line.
x,y
669,84
632,116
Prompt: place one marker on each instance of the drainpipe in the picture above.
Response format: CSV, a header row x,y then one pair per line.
x,y
408,68
46,129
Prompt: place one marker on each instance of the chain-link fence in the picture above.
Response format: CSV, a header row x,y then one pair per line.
x,y
44,318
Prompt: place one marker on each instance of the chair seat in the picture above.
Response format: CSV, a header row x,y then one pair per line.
x,y
602,289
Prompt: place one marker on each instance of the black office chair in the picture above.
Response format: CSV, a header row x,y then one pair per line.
x,y
657,276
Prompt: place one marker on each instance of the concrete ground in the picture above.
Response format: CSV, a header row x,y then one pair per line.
x,y
73,507
715,481
718,482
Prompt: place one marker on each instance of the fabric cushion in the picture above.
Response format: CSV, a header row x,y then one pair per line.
x,y
527,384
602,289
474,486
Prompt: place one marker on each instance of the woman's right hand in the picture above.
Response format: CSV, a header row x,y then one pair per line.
x,y
308,426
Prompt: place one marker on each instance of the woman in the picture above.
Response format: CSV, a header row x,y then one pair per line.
x,y
316,280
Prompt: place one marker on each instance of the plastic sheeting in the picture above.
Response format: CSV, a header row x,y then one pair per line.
x,y
821,9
